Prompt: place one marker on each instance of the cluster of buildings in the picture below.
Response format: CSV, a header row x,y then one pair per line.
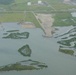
x,y
39,2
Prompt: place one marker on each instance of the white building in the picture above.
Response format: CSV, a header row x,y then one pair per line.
x,y
39,2
29,3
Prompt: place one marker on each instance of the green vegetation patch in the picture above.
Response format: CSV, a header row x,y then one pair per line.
x,y
68,44
25,50
24,65
62,6
19,17
16,35
69,32
30,17
11,16
63,19
70,52
48,6
70,38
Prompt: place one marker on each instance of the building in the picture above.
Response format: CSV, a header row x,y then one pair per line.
x,y
29,3
39,2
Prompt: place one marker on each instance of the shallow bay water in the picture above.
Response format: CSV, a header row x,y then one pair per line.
x,y
44,50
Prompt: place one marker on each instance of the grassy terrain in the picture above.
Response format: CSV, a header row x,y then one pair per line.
x,y
18,17
62,6
64,19
31,18
11,17
56,6
21,5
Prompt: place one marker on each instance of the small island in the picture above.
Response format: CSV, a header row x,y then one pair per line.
x,y
66,51
25,50
24,65
15,34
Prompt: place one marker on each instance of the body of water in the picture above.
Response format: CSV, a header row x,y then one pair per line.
x,y
44,50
